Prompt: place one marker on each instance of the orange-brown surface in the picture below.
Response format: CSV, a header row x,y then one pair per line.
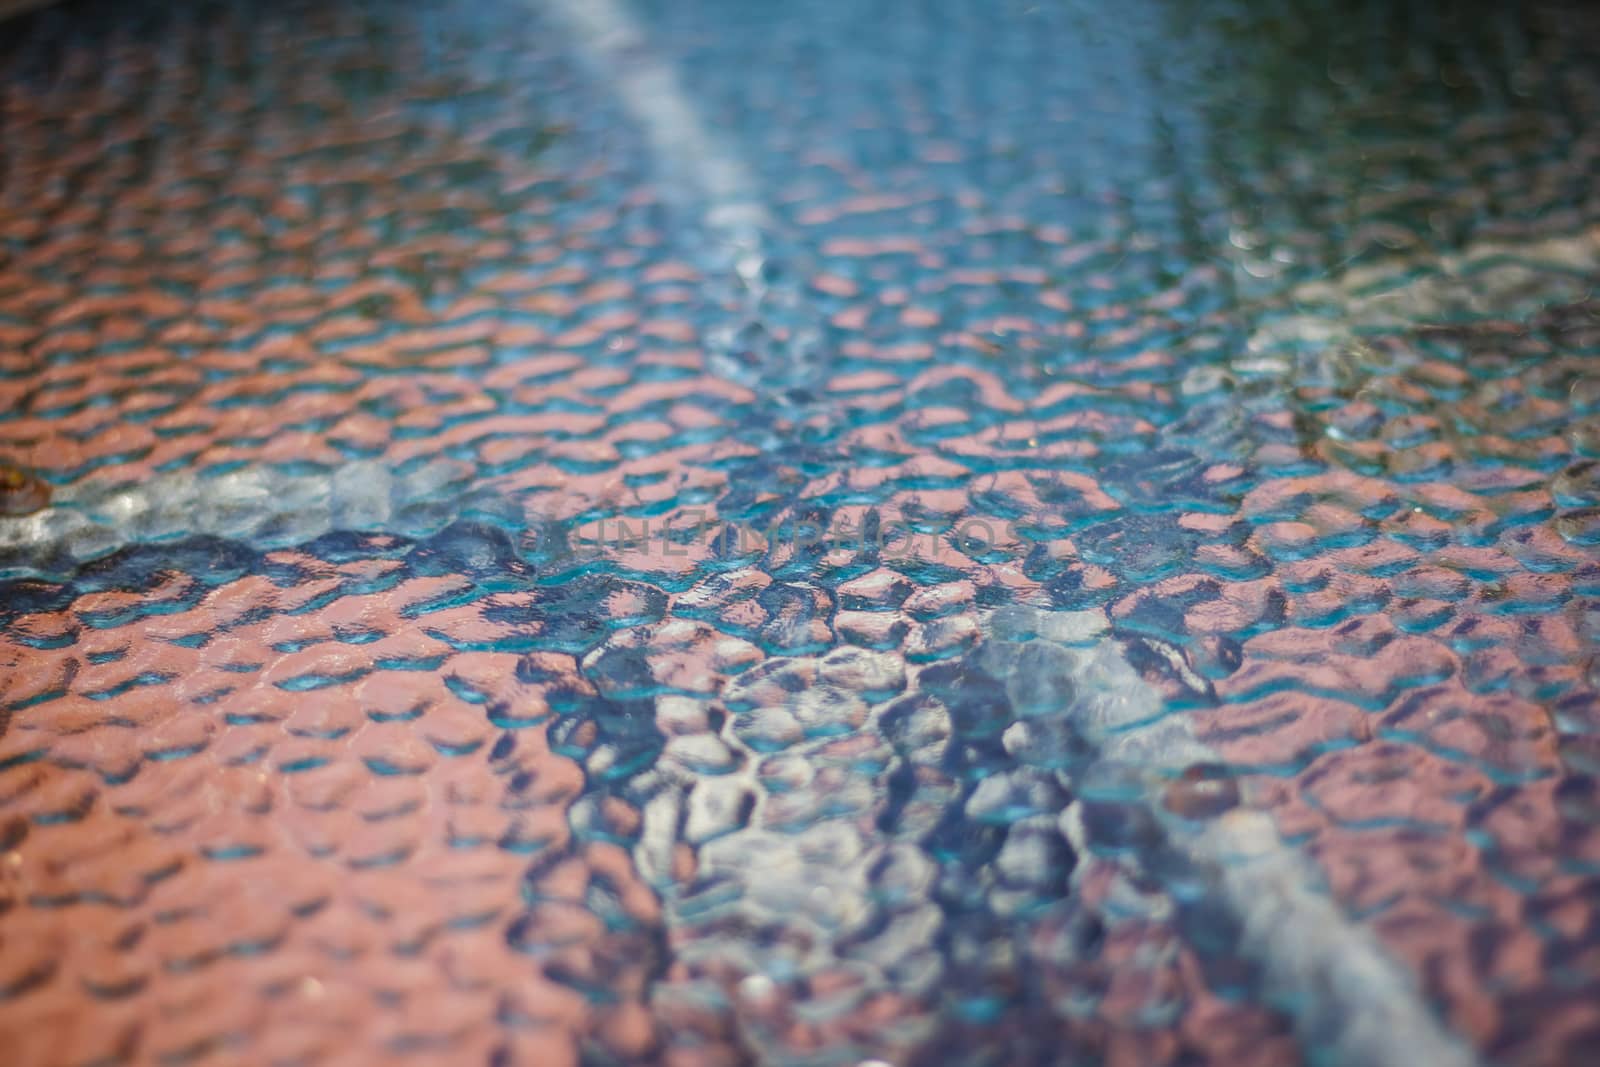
x,y
335,727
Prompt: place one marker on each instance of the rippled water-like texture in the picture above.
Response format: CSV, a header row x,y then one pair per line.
x,y
1233,367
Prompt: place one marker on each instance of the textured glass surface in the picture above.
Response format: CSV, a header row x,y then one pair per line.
x,y
826,533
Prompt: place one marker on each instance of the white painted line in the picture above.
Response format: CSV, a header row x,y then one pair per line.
x,y
1352,997
1357,1000
649,90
